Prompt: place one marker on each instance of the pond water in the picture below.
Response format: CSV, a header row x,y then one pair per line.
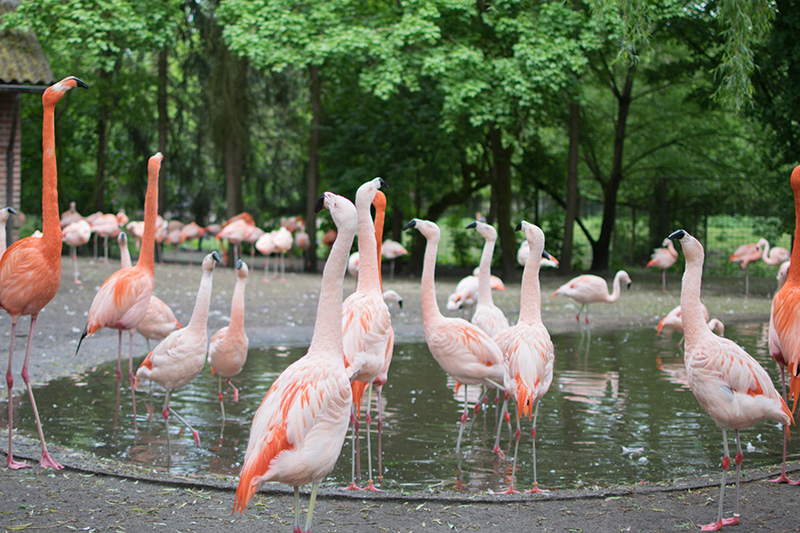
x,y
619,411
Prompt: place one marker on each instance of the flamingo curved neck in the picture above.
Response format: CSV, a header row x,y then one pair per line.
x,y
692,316
237,308
671,249
430,308
51,221
530,305
202,303
614,296
484,274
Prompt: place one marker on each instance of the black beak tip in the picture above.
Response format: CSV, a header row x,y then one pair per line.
x,y
239,264
12,210
215,257
80,83
546,255
320,204
680,234
472,225
409,225
382,183
519,227
400,303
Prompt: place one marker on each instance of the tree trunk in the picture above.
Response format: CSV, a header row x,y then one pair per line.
x,y
501,186
162,128
312,177
572,187
601,247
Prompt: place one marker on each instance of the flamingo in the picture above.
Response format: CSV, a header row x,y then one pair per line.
x,y
30,269
527,349
392,250
105,226
783,273
181,356
282,239
266,246
122,301
663,258
298,431
393,296
463,350
190,232
730,385
366,323
488,316
673,320
236,232
522,257
136,229
70,215
159,319
466,292
784,323
302,241
588,288
4,214
329,238
746,254
774,256
227,351
76,234
353,265
252,239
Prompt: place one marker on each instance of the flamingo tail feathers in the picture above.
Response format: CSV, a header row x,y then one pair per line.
x,y
256,466
358,388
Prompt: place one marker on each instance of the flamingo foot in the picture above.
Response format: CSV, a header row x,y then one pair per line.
x,y
536,490
783,478
282,279
733,521
196,437
510,490
267,280
48,461
16,465
79,282
795,483
353,486
716,526
235,395
498,452
297,529
371,487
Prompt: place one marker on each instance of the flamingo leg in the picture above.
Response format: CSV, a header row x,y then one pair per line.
x,y
747,280
511,489
266,270
221,405
131,376
105,250
734,520
314,489
783,478
47,459
503,418
119,378
75,264
195,434
464,417
379,388
663,280
726,462
535,488
354,439
12,464
297,511
235,391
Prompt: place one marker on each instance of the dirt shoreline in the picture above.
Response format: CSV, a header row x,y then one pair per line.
x,y
93,494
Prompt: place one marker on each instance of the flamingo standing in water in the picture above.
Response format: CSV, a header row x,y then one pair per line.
x,y
30,269
487,316
122,301
674,321
227,352
730,385
298,431
663,258
527,349
463,350
746,254
76,234
588,288
181,356
366,323
784,323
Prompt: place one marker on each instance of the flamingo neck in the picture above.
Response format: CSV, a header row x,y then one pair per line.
x,y
147,251
765,253
327,336
202,303
692,315
530,304
430,308
368,277
237,307
51,222
380,215
125,256
614,296
793,277
485,273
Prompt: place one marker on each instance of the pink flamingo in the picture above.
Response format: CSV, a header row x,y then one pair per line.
x,y
191,232
522,257
30,269
159,320
70,215
588,288
527,349
488,316
252,239
463,350
105,226
783,273
4,214
136,230
181,356
392,250
663,258
674,321
730,385
784,323
122,301
227,352
774,256
236,232
282,239
353,265
366,323
266,246
746,254
466,292
301,242
298,431
73,235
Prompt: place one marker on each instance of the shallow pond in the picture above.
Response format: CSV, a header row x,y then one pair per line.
x,y
619,411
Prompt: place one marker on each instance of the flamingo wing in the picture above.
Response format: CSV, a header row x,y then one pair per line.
x,y
465,352
366,329
22,271
121,301
784,338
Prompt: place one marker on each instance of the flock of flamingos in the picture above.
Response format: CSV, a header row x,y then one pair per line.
x,y
299,430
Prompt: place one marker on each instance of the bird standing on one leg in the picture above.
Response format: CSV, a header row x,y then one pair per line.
x,y
728,383
298,431
30,269
663,258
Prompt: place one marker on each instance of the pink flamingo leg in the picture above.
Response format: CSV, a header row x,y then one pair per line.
x,y
12,464
46,460
517,434
266,270
663,280
75,264
726,463
131,377
235,391
219,395
119,378
370,485
783,478
354,438
379,388
535,488
167,410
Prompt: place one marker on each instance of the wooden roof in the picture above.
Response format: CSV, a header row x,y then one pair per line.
x,y
22,62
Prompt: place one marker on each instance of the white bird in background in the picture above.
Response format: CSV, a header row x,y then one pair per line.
x,y
181,356
465,294
298,431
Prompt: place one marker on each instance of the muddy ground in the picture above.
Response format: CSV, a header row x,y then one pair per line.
x,y
94,495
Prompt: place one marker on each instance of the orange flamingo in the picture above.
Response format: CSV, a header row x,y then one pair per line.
x,y
298,431
784,323
728,383
663,258
181,356
30,269
589,288
527,349
227,352
487,316
76,234
463,350
121,303
366,323
746,254
4,214
236,232
105,226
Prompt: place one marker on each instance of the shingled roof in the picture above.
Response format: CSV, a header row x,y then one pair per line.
x,y
22,61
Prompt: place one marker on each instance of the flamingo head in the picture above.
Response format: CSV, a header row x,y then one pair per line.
x,y
692,248
428,229
210,261
241,270
54,93
342,210
487,231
